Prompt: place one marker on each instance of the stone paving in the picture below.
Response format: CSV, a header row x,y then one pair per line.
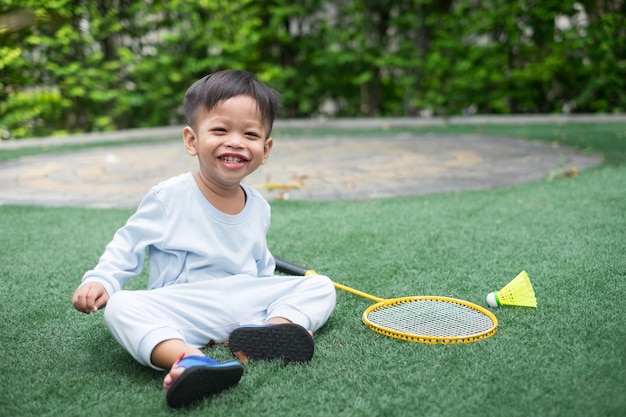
x,y
323,168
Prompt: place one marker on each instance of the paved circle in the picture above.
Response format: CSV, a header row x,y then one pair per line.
x,y
324,168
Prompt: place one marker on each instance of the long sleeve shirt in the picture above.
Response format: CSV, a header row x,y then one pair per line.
x,y
187,239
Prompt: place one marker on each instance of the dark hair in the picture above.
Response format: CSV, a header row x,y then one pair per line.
x,y
222,85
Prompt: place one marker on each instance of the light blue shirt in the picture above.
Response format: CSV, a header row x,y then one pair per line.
x,y
188,239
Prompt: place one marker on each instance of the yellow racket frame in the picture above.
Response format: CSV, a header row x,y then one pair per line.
x,y
432,340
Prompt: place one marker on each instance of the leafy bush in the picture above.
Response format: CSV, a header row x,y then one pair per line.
x,y
125,64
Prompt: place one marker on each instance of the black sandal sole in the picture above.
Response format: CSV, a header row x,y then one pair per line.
x,y
199,382
289,342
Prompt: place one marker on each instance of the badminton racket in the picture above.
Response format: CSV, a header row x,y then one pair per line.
x,y
421,319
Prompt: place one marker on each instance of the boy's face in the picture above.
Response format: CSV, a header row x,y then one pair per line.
x,y
229,141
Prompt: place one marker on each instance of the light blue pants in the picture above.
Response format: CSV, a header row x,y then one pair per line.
x,y
210,310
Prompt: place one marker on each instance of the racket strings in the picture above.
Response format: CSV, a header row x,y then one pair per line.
x,y
434,318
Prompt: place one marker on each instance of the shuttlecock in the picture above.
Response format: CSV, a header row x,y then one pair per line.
x,y
518,292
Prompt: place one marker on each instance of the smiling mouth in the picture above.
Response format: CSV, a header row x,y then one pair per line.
x,y
232,159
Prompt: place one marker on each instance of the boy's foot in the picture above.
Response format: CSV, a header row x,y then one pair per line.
x,y
201,378
290,342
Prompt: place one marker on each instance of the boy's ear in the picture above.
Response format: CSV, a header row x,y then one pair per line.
x,y
189,140
269,142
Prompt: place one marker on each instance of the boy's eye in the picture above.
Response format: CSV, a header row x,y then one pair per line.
x,y
253,134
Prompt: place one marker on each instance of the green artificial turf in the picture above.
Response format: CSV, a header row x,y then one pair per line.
x,y
565,358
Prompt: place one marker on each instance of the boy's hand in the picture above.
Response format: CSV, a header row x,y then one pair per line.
x,y
90,297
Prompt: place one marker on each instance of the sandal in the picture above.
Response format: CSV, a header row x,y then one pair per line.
x,y
202,378
289,341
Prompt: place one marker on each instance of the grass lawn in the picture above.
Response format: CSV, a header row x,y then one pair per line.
x,y
565,358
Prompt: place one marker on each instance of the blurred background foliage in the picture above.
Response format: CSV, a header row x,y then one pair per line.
x,y
71,66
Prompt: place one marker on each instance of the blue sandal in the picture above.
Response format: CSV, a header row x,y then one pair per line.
x,y
202,378
289,342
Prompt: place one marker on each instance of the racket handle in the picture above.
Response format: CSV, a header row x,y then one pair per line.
x,y
291,269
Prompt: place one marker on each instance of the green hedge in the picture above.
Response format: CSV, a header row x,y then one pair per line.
x,y
93,65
